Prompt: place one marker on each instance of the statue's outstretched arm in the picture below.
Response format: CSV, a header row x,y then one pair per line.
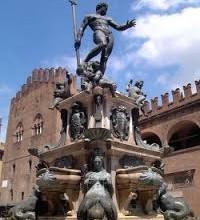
x,y
124,27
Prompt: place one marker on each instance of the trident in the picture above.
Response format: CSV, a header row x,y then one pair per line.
x,y
73,4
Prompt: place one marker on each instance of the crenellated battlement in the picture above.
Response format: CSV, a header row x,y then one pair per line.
x,y
179,98
45,75
39,77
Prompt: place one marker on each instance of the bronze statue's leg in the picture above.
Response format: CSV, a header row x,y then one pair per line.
x,y
109,47
103,61
101,42
106,52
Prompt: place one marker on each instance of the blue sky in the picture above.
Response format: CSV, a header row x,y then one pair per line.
x,y
163,49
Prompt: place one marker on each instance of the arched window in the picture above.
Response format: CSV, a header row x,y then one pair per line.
x,y
19,132
38,125
183,135
151,138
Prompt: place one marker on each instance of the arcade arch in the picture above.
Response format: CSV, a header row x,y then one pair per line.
x,y
151,138
184,134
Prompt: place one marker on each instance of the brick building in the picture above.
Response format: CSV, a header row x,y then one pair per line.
x,y
31,123
177,124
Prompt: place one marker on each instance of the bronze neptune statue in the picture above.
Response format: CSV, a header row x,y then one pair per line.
x,y
102,35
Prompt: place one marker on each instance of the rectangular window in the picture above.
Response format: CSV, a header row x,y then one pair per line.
x,y
180,179
11,194
14,167
22,195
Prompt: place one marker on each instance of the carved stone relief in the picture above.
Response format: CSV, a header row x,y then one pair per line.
x,y
120,122
98,100
131,161
78,121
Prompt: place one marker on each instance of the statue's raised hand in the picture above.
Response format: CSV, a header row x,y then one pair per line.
x,y
131,23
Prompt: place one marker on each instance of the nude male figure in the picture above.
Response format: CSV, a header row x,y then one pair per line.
x,y
102,35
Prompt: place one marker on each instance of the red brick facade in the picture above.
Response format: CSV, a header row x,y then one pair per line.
x,y
27,110
177,124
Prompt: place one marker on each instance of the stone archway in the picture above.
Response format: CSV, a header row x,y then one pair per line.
x,y
184,134
151,138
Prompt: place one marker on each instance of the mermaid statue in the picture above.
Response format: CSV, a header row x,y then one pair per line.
x,y
98,190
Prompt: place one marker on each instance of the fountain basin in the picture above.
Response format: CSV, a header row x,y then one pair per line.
x,y
130,178
57,179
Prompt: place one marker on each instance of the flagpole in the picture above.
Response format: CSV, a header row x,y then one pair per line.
x,y
73,4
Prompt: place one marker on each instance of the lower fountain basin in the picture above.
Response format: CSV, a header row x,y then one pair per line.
x,y
57,179
131,178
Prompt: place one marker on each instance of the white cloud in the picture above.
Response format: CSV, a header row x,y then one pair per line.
x,y
123,67
4,89
4,109
162,79
5,95
171,40
163,4
3,132
61,61
117,63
